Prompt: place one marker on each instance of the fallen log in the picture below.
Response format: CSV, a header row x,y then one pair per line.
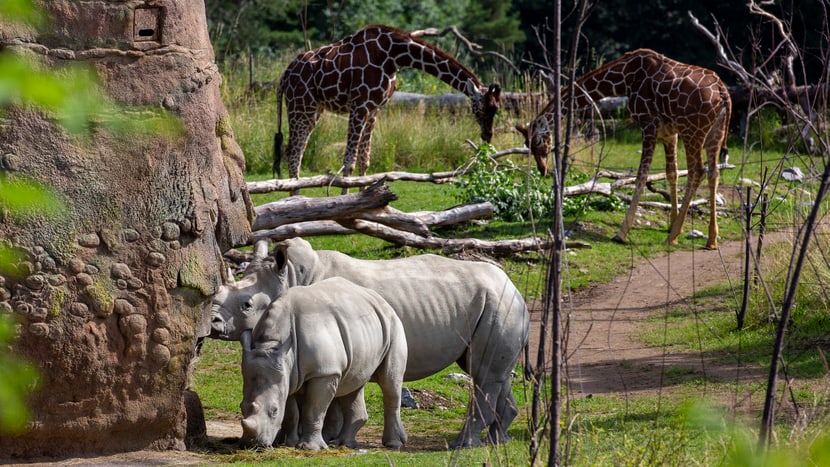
x,y
374,229
455,215
456,245
268,186
300,229
301,208
417,223
620,180
393,218
450,245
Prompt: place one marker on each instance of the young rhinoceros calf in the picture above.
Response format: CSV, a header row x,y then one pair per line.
x,y
326,341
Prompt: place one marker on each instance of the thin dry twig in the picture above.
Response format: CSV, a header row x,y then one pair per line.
x,y
471,46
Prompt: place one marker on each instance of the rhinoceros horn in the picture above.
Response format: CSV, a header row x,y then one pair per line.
x,y
249,425
247,341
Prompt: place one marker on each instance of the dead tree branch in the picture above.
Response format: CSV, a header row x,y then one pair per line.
x,y
472,47
317,181
301,208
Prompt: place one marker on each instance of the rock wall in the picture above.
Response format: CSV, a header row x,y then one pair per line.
x,y
113,292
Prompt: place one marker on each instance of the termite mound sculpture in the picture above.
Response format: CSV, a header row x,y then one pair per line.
x,y
111,293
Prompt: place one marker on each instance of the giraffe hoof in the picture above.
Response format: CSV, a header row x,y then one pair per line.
x,y
618,239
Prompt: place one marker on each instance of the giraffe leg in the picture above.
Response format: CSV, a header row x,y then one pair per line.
x,y
364,148
670,146
300,124
357,125
649,142
714,143
694,164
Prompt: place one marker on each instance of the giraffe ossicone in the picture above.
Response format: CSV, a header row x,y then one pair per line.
x,y
357,75
667,99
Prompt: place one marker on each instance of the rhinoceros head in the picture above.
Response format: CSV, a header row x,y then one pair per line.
x,y
266,372
238,305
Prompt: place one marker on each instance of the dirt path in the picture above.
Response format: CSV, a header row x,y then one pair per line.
x,y
604,353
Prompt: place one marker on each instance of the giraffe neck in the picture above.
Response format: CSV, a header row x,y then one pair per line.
x,y
407,52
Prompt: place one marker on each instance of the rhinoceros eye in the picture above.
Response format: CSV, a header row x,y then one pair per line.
x,y
273,413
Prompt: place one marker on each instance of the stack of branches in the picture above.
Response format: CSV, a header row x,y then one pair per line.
x,y
368,211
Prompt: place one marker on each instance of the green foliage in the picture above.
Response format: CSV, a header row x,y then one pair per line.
x,y
73,96
494,24
519,195
21,197
21,11
515,195
259,26
265,26
17,378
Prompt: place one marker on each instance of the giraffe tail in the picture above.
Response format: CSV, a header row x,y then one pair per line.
x,y
278,137
726,115
277,153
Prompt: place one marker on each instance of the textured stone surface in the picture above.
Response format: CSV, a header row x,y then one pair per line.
x,y
112,294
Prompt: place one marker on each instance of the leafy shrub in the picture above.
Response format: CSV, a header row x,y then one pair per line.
x,y
516,195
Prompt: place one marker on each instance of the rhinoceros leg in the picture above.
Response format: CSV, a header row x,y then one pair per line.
x,y
481,412
390,379
290,431
506,411
319,393
333,422
493,351
353,408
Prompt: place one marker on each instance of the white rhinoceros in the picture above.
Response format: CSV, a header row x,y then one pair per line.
x,y
325,341
452,311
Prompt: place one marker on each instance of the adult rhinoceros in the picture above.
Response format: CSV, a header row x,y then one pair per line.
x,y
451,310
326,341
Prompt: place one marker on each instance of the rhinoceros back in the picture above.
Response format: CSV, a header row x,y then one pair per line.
x,y
442,303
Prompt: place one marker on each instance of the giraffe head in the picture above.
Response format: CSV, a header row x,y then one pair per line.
x,y
537,138
485,104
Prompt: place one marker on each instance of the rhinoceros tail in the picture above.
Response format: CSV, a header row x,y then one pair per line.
x,y
528,371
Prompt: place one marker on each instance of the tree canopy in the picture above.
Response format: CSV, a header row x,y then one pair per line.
x,y
514,27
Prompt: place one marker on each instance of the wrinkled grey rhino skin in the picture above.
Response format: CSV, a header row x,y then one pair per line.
x,y
452,311
326,341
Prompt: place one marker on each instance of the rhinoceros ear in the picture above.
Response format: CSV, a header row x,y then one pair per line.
x,y
229,280
281,257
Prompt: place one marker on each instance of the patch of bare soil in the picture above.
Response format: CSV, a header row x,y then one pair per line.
x,y
604,353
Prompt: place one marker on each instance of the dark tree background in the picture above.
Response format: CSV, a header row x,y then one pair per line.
x,y
510,26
